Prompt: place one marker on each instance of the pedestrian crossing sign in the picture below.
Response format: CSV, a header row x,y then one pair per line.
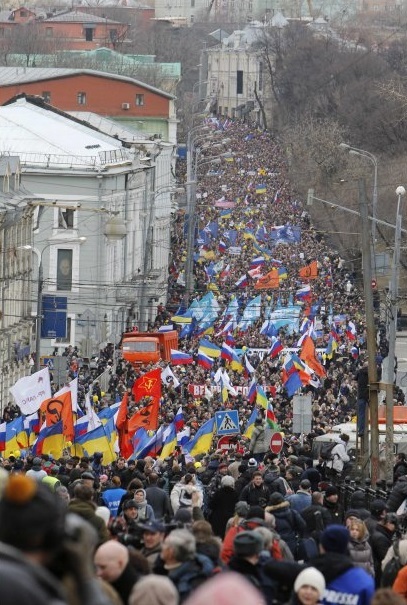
x,y
227,423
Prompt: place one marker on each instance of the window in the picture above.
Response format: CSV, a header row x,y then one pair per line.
x,y
89,34
23,13
49,32
239,82
64,269
139,100
66,218
113,35
1,32
81,98
46,95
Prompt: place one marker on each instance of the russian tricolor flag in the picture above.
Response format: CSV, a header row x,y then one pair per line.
x,y
179,419
230,340
350,330
180,358
226,352
257,262
222,246
242,282
276,348
304,293
204,360
251,395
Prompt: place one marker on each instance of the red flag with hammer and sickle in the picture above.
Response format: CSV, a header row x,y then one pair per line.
x,y
149,387
59,408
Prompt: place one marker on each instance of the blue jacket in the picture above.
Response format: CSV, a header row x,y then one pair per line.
x,y
345,583
111,498
300,501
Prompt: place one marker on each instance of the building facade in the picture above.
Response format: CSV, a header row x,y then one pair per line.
x,y
89,182
125,99
16,323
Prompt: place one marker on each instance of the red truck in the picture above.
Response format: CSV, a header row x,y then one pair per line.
x,y
142,348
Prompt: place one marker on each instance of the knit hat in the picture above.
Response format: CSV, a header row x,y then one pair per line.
x,y
183,515
378,506
154,590
247,544
31,516
331,490
352,512
37,462
242,508
310,577
252,463
255,512
335,538
276,498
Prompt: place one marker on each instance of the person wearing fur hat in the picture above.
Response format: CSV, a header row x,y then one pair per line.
x,y
309,587
345,583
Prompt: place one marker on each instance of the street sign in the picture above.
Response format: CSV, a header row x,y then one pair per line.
x,y
229,443
302,414
227,423
276,443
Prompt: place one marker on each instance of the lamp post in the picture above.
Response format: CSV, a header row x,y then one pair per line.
x,y
373,159
38,326
389,379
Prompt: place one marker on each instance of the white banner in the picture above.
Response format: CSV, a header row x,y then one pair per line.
x,y
29,392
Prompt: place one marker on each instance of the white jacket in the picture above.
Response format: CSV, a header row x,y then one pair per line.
x,y
178,495
340,457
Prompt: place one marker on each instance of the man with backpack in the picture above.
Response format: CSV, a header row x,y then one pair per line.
x,y
338,456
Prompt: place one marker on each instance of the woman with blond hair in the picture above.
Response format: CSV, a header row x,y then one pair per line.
x,y
359,548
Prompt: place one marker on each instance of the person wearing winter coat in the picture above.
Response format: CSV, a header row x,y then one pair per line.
x,y
359,548
400,468
182,564
358,503
339,455
145,512
309,587
260,441
181,495
289,523
400,583
222,505
302,498
332,505
381,540
345,583
316,517
397,495
255,493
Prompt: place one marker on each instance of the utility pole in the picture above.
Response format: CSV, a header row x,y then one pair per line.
x,y
370,334
391,357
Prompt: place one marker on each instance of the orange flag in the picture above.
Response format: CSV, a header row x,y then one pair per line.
x,y
148,386
60,408
122,425
269,281
147,418
310,271
308,355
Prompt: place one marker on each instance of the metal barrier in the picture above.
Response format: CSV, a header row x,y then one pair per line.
x,y
347,487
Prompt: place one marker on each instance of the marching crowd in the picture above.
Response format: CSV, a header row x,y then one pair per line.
x,y
224,526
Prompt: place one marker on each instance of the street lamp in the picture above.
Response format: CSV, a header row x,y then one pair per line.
x,y
394,285
38,254
373,159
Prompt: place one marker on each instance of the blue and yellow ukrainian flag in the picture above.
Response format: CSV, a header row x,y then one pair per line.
x,y
261,397
170,442
102,439
202,441
250,424
209,348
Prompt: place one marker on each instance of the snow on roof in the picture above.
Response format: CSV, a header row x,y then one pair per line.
x,y
109,127
21,75
35,133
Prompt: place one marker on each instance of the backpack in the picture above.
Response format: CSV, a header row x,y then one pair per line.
x,y
391,568
326,450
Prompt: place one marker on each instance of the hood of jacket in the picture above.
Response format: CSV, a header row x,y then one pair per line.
x,y
283,506
331,565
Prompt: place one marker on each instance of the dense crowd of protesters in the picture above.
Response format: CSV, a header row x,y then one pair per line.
x,y
227,526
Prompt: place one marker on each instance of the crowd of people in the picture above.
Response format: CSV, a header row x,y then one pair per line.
x,y
226,524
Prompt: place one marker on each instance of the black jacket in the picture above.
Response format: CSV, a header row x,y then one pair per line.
x,y
316,518
254,574
255,496
397,495
158,499
289,524
380,541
